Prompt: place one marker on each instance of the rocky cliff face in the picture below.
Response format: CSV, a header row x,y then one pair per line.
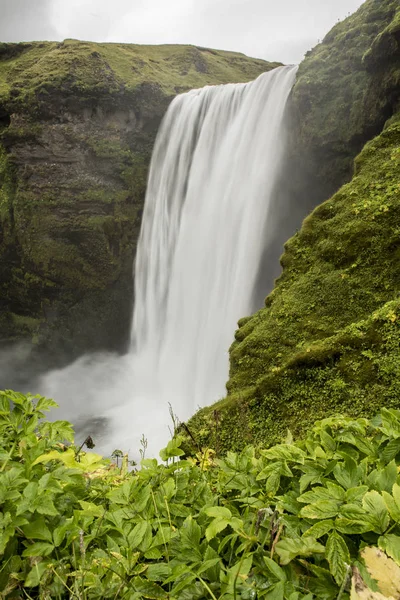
x,y
328,339
345,91
77,125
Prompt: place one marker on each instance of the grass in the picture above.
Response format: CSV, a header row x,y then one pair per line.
x,y
30,68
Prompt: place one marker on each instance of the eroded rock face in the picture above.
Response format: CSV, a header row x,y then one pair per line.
x,y
77,125
347,87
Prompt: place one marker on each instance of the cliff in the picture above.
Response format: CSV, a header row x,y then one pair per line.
x,y
328,339
345,91
77,125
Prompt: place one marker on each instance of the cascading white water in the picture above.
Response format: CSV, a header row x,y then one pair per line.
x,y
209,193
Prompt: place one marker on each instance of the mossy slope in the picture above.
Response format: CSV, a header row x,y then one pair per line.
x,y
328,339
77,125
87,68
346,89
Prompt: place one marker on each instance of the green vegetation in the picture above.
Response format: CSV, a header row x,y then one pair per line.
x,y
333,82
31,70
346,88
328,338
292,522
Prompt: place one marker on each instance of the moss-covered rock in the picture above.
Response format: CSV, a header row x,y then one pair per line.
x,y
77,125
345,92
328,339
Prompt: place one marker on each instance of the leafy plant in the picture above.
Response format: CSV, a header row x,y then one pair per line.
x,y
291,522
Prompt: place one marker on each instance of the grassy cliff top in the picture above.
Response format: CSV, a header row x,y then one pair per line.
x,y
27,69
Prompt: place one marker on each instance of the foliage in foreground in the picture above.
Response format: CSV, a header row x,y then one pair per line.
x,y
291,522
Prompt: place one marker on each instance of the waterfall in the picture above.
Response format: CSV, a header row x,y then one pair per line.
x,y
209,194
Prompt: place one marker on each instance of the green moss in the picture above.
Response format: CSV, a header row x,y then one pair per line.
x,y
6,185
29,71
329,338
333,83
346,89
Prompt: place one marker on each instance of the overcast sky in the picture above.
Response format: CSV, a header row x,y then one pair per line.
x,y
272,29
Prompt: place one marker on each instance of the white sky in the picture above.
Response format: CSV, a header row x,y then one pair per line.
x,y
272,29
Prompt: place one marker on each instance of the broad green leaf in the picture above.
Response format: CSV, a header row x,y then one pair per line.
x,y
153,554
338,557
391,450
348,474
59,533
241,569
89,461
121,494
38,530
90,509
396,494
275,569
141,498
287,549
392,506
353,511
390,423
67,457
285,452
172,450
279,467
149,589
218,511
184,581
349,526
336,491
158,572
272,484
45,506
168,488
327,441
383,479
320,492
208,564
147,540
390,544
179,510
376,510
137,534
356,494
45,404
38,549
31,491
323,509
190,533
275,592
215,527
319,529
35,574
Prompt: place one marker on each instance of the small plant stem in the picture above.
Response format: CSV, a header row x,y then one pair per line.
x,y
160,525
8,457
63,582
169,514
209,590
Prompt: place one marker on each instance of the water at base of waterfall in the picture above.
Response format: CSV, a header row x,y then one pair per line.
x,y
209,195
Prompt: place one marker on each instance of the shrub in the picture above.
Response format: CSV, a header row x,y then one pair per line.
x,y
290,522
